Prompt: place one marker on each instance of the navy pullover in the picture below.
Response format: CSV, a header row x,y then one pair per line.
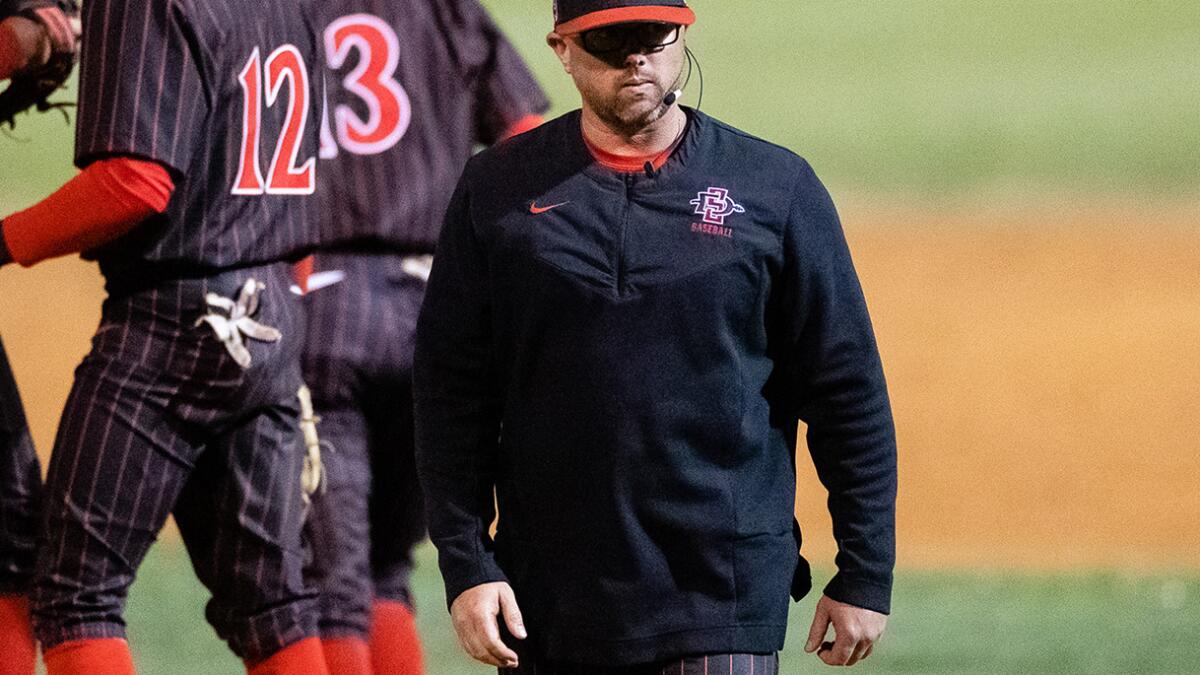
x,y
625,359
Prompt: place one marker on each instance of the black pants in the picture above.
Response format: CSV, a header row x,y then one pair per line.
x,y
709,664
20,488
161,420
358,364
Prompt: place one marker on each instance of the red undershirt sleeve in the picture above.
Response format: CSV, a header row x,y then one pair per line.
x,y
526,123
106,200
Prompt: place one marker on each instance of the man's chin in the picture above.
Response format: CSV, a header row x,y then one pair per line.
x,y
630,114
641,115
640,102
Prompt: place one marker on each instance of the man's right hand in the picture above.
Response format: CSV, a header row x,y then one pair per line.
x,y
474,614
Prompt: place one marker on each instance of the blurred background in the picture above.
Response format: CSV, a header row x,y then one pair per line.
x,y
1020,185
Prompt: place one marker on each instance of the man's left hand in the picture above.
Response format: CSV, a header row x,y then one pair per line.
x,y
856,631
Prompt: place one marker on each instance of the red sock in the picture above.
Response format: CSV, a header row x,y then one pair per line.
x,y
395,644
108,656
299,658
16,636
347,656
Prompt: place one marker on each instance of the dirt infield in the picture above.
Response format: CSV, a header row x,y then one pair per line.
x,y
1044,367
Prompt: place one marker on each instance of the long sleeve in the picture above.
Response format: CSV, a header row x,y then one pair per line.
x,y
457,406
102,203
836,383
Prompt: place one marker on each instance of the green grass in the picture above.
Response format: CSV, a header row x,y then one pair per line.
x,y
941,623
947,96
934,99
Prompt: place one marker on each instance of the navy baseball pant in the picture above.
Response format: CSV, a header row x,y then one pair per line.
x,y
358,363
709,664
162,420
20,488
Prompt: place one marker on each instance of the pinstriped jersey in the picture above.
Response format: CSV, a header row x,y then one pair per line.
x,y
224,94
415,86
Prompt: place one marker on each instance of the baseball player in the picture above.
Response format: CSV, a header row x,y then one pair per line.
x,y
20,494
197,136
37,53
416,85
631,309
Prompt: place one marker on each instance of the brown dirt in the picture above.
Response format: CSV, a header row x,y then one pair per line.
x,y
1044,366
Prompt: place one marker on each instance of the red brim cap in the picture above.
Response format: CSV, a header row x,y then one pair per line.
x,y
683,16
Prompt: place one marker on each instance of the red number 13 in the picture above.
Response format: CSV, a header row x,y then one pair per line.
x,y
373,81
284,177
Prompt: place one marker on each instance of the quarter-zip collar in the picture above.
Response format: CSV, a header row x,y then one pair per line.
x,y
629,164
678,160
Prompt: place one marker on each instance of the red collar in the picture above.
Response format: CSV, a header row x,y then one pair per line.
x,y
627,164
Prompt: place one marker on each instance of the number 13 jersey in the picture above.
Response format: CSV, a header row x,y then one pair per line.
x,y
414,87
227,96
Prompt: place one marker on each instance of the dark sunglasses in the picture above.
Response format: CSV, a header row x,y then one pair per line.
x,y
629,37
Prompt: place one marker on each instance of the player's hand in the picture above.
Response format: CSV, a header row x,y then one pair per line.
x,y
36,38
30,43
856,631
474,614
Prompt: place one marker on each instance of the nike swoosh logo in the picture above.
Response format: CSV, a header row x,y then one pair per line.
x,y
535,209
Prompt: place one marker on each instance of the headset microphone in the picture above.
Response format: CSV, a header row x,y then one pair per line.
x,y
686,75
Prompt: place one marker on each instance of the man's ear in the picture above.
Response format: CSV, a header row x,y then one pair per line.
x,y
562,49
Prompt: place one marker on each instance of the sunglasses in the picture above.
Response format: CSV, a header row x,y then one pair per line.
x,y
629,37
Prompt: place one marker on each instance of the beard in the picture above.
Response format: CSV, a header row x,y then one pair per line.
x,y
629,112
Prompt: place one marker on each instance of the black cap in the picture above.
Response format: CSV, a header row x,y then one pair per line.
x,y
576,16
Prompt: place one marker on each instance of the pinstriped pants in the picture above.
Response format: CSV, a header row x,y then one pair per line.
x,y
162,420
358,362
708,664
20,488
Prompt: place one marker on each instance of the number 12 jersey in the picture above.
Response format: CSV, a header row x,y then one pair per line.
x,y
225,95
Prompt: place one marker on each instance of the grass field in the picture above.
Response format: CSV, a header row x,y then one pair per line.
x,y
930,99
1020,182
943,623
940,98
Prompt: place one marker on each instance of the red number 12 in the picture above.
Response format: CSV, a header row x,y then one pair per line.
x,y
284,177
